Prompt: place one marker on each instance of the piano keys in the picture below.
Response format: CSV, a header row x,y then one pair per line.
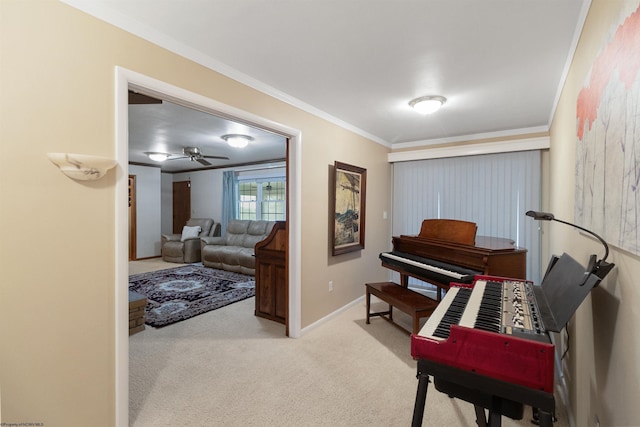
x,y
427,268
493,327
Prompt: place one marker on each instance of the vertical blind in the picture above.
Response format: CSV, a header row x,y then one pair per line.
x,y
493,190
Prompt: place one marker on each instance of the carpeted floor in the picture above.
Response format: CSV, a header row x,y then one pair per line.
x,y
179,293
231,368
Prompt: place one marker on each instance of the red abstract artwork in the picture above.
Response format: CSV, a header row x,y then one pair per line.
x,y
608,146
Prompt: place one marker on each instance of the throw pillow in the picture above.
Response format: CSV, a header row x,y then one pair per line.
x,y
190,232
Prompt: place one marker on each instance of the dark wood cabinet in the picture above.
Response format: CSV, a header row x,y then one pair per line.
x,y
271,275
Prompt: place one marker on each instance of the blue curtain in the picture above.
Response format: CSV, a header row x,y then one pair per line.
x,y
229,197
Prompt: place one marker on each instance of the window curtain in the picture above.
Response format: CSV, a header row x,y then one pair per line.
x,y
493,190
229,198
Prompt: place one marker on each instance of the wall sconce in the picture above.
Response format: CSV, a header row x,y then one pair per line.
x,y
82,167
427,104
158,157
236,140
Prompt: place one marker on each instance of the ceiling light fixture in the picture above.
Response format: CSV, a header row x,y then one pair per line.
x,y
427,104
236,140
158,157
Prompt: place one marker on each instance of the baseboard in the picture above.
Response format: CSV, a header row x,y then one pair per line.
x,y
563,393
331,315
147,258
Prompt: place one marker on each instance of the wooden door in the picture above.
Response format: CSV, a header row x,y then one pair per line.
x,y
132,218
181,205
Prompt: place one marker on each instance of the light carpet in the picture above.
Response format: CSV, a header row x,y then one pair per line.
x,y
231,368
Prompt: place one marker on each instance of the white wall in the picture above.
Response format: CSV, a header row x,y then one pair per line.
x,y
148,222
206,192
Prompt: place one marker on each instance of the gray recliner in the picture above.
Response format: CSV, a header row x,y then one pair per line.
x,y
185,248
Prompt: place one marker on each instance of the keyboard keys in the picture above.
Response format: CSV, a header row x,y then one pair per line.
x,y
453,314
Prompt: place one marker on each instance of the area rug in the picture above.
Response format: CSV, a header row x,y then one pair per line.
x,y
180,293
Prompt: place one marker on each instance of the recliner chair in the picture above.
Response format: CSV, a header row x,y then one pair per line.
x,y
185,248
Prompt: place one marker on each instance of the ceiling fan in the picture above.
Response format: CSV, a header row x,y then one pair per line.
x,y
195,155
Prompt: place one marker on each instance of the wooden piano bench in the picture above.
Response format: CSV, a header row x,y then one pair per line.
x,y
404,299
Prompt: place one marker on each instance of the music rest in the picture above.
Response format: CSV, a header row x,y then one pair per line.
x,y
451,230
565,285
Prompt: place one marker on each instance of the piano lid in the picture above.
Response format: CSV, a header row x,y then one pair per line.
x,y
487,243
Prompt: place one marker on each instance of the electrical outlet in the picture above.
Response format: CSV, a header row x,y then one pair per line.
x,y
330,285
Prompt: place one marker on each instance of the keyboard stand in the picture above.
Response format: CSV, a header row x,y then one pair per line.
x,y
413,303
498,397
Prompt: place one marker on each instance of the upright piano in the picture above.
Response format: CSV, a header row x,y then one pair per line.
x,y
271,275
448,251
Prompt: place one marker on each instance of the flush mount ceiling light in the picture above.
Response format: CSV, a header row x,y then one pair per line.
x,y
427,104
158,157
237,141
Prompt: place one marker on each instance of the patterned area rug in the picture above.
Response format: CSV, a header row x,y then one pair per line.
x,y
180,293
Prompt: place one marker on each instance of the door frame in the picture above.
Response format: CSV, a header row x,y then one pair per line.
x,y
133,225
124,80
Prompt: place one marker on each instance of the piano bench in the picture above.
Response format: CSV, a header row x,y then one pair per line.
x,y
404,299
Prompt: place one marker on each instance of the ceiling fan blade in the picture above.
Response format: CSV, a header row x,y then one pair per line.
x,y
178,158
217,157
203,162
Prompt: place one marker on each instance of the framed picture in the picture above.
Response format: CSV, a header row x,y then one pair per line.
x,y
348,196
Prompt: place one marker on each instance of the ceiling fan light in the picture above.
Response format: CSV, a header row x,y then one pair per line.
x,y
237,141
427,104
158,157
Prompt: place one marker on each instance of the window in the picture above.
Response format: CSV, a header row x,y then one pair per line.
x,y
262,199
492,190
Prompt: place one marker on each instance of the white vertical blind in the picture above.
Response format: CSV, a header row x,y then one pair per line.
x,y
493,190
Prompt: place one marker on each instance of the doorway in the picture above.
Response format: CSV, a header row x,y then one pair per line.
x,y
124,80
181,205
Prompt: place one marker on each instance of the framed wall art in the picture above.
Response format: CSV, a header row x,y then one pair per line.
x,y
348,195
607,199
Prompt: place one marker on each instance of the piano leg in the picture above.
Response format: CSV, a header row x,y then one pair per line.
x,y
421,397
404,280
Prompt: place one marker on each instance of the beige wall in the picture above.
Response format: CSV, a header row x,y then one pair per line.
x,y
602,368
57,363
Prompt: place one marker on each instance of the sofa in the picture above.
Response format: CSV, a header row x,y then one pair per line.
x,y
185,247
235,250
